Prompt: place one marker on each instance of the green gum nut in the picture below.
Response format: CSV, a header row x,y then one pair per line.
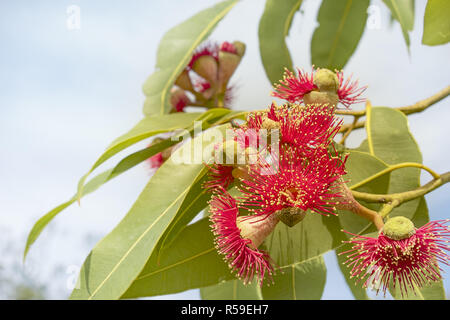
x,y
399,228
326,80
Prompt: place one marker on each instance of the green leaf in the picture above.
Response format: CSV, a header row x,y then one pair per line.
x,y
341,25
317,234
215,114
274,27
389,138
118,258
403,12
174,53
436,23
357,290
144,129
190,261
300,281
232,290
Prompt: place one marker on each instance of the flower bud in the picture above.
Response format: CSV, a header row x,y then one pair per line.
x,y
290,216
179,99
184,81
240,48
399,228
228,63
206,67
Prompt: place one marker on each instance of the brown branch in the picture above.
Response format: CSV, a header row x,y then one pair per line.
x,y
401,197
414,108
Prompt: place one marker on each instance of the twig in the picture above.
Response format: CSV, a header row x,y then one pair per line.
x,y
414,108
396,199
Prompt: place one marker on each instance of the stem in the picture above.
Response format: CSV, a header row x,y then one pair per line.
x,y
414,108
395,199
370,215
349,130
395,167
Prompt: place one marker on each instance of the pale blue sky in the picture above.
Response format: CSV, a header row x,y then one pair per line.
x,y
66,94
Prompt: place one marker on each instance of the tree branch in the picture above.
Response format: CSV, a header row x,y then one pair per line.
x,y
396,199
414,108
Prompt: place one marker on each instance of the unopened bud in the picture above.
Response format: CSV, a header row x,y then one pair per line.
x,y
206,67
228,62
184,81
179,99
240,48
398,228
323,98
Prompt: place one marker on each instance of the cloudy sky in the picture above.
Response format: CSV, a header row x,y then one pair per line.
x,y
67,93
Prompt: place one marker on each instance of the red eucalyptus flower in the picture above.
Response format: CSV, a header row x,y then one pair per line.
x,y
349,92
219,176
308,127
406,259
293,182
238,237
293,88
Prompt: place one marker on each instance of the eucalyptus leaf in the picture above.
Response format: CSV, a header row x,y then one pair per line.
x,y
144,129
389,138
273,28
116,261
300,281
174,53
436,23
341,25
189,261
232,290
209,117
403,12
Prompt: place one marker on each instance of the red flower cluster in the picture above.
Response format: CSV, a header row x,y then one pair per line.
x,y
301,172
204,81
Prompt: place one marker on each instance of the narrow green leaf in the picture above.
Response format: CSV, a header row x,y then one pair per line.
x,y
436,23
144,129
174,53
189,261
118,258
403,12
390,140
300,281
212,115
232,290
341,25
274,27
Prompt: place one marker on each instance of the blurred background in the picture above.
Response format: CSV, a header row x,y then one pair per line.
x,y
66,93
